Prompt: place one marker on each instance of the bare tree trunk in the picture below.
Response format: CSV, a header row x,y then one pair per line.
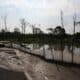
x,y
72,54
23,25
52,52
74,21
62,19
44,54
5,22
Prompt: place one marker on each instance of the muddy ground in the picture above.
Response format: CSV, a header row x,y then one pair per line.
x,y
34,68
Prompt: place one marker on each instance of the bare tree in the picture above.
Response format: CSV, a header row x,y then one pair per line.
x,y
61,17
74,23
5,22
23,25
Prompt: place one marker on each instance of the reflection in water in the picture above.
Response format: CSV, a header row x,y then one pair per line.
x,y
36,46
51,49
58,52
57,47
71,50
44,51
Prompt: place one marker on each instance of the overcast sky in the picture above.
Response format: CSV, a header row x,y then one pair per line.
x,y
45,12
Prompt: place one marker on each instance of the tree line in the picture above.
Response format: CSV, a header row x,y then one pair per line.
x,y
40,38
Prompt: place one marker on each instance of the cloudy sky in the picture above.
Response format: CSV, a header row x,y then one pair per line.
x,y
44,12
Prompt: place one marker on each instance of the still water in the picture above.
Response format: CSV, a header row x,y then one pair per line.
x,y
59,52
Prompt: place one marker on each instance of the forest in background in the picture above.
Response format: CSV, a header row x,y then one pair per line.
x,y
18,37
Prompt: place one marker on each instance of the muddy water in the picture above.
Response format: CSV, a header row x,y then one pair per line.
x,y
70,54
